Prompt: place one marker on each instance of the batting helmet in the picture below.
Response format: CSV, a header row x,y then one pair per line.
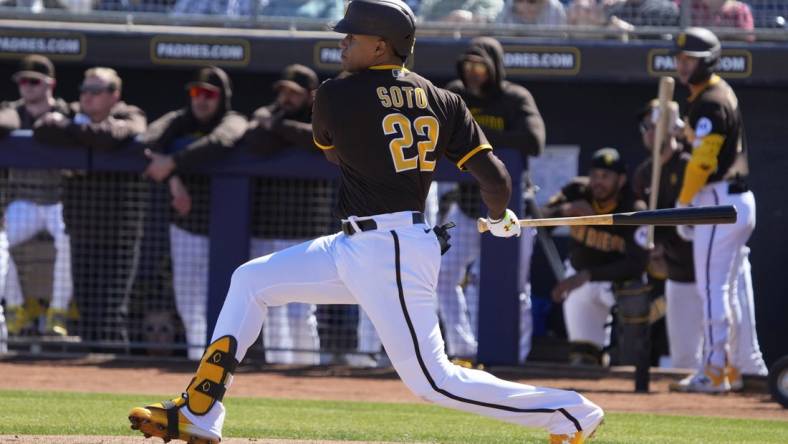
x,y
391,19
702,44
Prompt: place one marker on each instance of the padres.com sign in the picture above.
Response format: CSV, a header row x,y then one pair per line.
x,y
169,50
549,60
55,45
734,63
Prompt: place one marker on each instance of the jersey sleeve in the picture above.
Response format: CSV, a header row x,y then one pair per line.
x,y
321,135
467,138
706,132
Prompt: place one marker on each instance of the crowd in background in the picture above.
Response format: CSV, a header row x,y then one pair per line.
x,y
617,14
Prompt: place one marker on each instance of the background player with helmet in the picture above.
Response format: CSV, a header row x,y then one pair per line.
x,y
606,264
715,175
385,259
510,118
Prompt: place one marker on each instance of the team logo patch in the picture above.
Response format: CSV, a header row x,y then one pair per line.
x,y
703,127
641,236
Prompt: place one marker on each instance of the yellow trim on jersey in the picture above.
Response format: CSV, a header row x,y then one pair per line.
x,y
384,67
471,153
696,90
322,147
700,166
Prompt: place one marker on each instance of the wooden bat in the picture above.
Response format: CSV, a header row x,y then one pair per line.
x,y
664,97
711,215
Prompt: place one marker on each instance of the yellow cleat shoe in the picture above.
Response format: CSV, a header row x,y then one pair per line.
x,y
576,437
16,319
164,420
735,379
56,322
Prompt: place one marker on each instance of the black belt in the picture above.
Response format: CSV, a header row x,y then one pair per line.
x,y
370,224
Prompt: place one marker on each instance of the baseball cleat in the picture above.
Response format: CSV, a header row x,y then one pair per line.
x,y
576,437
56,322
710,380
735,379
153,420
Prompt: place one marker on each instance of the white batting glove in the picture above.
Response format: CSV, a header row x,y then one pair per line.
x,y
507,226
686,232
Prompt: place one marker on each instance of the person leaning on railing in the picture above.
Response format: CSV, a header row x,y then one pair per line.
x,y
103,210
35,198
194,136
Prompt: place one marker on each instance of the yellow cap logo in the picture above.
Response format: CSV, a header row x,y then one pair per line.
x,y
681,39
610,158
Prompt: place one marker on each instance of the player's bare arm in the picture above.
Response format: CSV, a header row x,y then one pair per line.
x,y
494,182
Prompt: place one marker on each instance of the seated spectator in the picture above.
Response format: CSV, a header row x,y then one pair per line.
x,y
460,10
722,13
317,9
134,5
533,12
585,13
214,7
646,12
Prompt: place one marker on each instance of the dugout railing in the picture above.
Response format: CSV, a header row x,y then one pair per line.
x,y
230,230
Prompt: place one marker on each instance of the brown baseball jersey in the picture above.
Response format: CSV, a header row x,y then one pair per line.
x,y
389,126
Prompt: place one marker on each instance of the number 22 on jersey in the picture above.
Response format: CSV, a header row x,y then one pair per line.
x,y
400,125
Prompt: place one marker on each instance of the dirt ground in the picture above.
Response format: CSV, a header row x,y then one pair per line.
x,y
613,392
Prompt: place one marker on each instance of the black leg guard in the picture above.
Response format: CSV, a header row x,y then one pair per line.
x,y
634,335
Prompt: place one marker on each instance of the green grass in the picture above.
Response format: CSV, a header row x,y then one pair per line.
x,y
60,413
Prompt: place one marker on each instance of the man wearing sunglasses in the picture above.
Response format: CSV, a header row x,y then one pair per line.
x,y
510,118
286,125
196,135
35,198
103,210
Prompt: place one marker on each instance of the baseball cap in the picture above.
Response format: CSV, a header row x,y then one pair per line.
x,y
609,159
298,77
206,78
36,66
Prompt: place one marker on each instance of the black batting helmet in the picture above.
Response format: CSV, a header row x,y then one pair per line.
x,y
702,44
391,19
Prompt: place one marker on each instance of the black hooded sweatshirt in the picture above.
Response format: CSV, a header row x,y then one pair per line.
x,y
206,144
507,112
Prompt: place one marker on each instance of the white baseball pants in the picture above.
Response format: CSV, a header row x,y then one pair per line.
x,y
23,219
718,260
189,253
587,311
392,273
288,327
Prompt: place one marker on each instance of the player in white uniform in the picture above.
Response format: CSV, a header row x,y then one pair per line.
x,y
386,258
715,175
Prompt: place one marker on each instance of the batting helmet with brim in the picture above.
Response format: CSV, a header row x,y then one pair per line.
x,y
702,44
391,19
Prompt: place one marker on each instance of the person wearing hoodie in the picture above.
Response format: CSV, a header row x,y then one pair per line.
x,y
197,135
286,125
102,210
510,118
35,198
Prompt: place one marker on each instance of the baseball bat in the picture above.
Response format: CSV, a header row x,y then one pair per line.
x,y
664,97
711,215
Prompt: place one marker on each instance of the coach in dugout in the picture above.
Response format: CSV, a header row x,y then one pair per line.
x,y
193,136
103,210
606,264
35,199
286,125
510,118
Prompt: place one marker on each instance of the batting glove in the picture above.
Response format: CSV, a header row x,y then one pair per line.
x,y
507,226
686,232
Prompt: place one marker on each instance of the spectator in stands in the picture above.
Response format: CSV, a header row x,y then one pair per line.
x,y
195,136
645,12
35,197
723,13
316,9
603,260
460,10
103,210
533,12
286,126
585,13
510,118
160,6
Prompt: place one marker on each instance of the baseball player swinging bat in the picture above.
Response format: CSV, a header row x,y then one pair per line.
x,y
665,96
709,215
